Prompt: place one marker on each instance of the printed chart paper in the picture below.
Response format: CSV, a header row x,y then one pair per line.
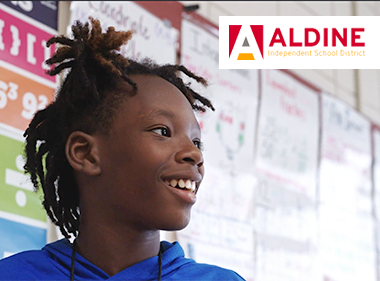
x,y
221,228
152,37
347,249
286,167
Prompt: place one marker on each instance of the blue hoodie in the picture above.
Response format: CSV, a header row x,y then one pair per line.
x,y
53,262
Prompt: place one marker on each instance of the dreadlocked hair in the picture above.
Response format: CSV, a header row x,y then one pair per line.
x,y
87,101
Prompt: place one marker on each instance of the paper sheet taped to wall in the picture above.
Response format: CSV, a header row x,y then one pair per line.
x,y
221,228
152,38
347,248
286,168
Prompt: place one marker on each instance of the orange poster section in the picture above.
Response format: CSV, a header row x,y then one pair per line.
x,y
20,98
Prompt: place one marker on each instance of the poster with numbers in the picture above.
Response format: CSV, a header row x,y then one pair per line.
x,y
24,89
221,227
347,246
286,167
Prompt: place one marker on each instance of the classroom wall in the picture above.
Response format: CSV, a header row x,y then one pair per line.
x,y
292,188
359,88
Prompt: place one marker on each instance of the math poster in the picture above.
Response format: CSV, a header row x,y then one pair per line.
x,y
152,38
221,228
22,217
347,247
24,89
286,166
287,142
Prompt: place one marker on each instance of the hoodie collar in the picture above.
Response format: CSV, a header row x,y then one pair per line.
x,y
172,258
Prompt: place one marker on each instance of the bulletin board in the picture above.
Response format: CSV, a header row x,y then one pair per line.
x,y
24,89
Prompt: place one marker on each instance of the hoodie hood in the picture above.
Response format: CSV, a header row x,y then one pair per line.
x,y
53,262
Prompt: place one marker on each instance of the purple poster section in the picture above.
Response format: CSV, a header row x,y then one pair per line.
x,y
45,12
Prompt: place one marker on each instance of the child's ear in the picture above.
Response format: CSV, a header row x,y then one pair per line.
x,y
83,154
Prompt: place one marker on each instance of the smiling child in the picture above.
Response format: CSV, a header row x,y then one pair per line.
x,y
118,156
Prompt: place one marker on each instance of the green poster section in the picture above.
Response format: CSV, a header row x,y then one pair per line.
x,y
17,195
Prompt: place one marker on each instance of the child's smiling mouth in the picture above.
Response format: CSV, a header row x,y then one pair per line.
x,y
183,187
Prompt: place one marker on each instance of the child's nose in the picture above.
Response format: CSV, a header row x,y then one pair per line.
x,y
189,153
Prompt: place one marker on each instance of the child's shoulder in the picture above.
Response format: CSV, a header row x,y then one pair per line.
x,y
14,267
182,268
25,257
29,265
202,271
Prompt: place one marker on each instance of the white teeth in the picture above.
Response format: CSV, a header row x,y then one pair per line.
x,y
193,186
173,183
181,183
188,184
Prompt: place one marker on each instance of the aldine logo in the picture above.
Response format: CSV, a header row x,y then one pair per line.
x,y
299,42
257,32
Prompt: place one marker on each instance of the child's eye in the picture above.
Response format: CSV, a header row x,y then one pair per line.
x,y
162,131
198,144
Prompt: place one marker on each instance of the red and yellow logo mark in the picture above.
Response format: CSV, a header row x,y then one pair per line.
x,y
258,33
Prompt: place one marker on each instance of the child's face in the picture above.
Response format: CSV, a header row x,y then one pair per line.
x,y
153,141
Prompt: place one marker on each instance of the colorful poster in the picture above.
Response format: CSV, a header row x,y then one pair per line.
x,y
286,169
17,237
24,88
23,45
347,247
221,228
17,194
23,223
152,38
20,98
